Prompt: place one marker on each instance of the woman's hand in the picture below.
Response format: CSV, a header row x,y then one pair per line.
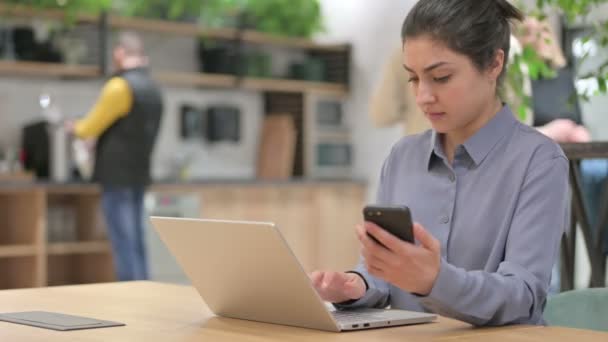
x,y
337,287
413,268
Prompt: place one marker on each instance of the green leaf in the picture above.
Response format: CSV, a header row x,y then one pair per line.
x,y
601,83
522,112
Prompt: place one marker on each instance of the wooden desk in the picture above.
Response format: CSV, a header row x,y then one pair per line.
x,y
163,312
593,236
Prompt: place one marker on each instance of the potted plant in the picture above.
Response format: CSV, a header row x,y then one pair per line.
x,y
294,18
572,11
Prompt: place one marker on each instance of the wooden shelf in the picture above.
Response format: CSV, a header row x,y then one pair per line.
x,y
264,84
291,86
172,27
175,78
21,11
73,189
256,37
84,247
17,177
17,251
195,79
247,36
39,69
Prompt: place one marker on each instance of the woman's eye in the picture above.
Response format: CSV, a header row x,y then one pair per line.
x,y
413,80
442,79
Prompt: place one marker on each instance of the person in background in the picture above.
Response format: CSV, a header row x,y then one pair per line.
x,y
125,121
489,193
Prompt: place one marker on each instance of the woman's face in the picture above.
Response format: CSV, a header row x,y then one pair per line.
x,y
453,94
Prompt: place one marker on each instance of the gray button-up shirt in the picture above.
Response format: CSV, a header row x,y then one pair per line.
x,y
499,211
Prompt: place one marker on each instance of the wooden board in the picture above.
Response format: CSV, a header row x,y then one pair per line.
x,y
277,147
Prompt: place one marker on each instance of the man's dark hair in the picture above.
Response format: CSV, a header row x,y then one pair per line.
x,y
474,28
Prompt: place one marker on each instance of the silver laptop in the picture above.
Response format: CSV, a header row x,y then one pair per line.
x,y
246,270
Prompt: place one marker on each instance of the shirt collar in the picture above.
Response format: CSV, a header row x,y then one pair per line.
x,y
481,143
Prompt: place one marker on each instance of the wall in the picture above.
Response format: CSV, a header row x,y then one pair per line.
x,y
373,27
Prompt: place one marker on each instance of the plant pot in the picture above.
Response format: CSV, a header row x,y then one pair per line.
x,y
257,65
312,69
47,52
27,49
24,43
217,59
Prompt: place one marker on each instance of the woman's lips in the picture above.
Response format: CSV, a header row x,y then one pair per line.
x,y
436,116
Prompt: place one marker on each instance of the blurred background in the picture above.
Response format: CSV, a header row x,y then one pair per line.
x,y
267,115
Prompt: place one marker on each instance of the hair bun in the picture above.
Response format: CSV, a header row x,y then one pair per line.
x,y
508,11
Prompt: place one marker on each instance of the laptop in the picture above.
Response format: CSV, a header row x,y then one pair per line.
x,y
246,270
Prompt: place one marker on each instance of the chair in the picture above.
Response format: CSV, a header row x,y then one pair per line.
x,y
583,309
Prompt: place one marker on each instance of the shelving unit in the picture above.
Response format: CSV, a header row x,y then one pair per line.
x,y
22,238
28,259
18,251
86,247
316,219
32,254
335,58
246,36
328,52
81,254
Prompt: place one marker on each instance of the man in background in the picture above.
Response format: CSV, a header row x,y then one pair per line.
x,y
125,121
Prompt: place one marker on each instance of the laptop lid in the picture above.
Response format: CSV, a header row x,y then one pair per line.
x,y
245,270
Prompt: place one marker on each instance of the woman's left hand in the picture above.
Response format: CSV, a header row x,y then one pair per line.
x,y
413,268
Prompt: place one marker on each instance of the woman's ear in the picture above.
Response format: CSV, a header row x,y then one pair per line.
x,y
497,65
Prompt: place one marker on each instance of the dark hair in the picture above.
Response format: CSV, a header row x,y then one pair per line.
x,y
475,28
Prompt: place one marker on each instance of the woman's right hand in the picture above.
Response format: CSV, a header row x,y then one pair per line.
x,y
337,287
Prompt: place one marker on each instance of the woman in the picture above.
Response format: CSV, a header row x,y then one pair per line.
x,y
488,192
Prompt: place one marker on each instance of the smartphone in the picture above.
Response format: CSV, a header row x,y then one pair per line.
x,y
395,220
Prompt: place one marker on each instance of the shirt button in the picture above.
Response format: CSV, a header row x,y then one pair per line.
x,y
445,219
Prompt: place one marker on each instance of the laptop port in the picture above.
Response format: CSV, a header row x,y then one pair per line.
x,y
366,325
355,325
389,322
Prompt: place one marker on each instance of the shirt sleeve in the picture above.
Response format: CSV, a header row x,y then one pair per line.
x,y
517,291
114,103
378,292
